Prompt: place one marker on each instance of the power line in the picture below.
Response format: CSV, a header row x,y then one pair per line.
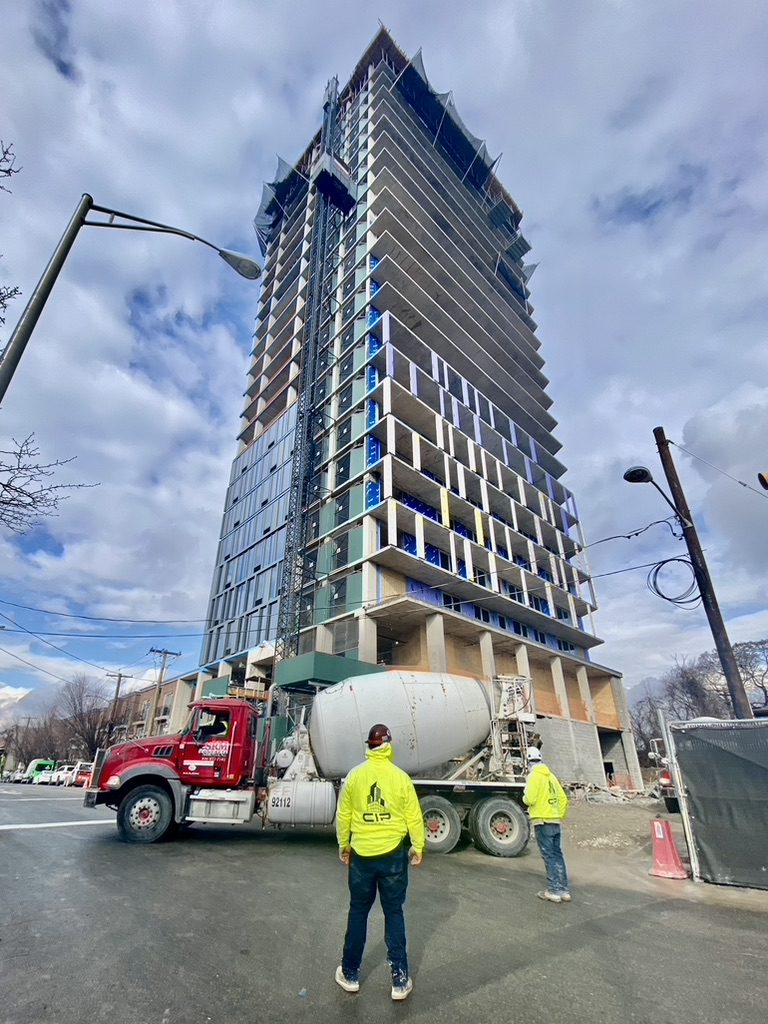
x,y
32,665
634,533
109,636
718,470
41,638
99,618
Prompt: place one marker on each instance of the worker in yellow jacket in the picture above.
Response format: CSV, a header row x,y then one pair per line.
x,y
547,805
379,827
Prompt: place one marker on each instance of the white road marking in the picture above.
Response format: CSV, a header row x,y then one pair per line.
x,y
32,799
58,824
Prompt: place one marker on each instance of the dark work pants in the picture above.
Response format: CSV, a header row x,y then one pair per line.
x,y
389,876
548,839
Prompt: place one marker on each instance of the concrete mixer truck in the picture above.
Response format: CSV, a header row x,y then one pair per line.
x,y
462,740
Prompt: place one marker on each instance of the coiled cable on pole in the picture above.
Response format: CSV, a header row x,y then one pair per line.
x,y
688,598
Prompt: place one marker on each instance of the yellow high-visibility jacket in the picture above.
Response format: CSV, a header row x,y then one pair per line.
x,y
378,807
544,796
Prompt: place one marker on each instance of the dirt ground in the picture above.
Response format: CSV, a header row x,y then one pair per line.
x,y
614,825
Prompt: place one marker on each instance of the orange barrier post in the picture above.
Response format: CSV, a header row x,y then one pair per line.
x,y
666,858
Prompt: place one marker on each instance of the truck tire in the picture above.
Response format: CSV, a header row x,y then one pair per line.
x,y
672,804
145,814
499,827
442,824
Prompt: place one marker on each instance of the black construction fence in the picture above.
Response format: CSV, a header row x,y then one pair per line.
x,y
724,767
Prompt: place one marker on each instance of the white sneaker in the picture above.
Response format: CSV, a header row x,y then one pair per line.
x,y
551,897
565,897
348,984
402,990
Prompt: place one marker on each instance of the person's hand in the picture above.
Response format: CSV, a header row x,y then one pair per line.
x,y
415,857
345,853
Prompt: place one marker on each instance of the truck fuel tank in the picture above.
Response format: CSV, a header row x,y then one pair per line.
x,y
300,802
433,717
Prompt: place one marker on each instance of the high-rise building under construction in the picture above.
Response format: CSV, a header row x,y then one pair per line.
x,y
396,498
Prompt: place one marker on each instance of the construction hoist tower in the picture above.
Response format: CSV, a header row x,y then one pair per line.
x,y
335,198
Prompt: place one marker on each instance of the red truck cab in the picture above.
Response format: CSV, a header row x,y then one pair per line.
x,y
159,782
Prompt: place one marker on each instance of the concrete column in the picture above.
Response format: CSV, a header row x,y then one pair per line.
x,y
323,639
416,443
392,524
387,491
585,692
391,436
524,669
436,656
367,638
181,697
486,654
202,678
627,736
556,668
521,657
418,530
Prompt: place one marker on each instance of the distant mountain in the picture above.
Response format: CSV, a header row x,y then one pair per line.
x,y
16,702
10,698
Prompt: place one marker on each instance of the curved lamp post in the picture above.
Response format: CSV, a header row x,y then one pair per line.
x,y
244,265
679,505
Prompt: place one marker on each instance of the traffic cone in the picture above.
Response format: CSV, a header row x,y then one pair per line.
x,y
666,858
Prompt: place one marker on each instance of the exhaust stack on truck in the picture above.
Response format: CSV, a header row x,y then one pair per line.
x,y
462,740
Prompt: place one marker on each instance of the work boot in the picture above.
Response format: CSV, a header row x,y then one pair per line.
x,y
349,982
551,897
401,985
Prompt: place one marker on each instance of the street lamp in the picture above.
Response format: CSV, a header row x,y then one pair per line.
x,y
642,475
244,265
679,505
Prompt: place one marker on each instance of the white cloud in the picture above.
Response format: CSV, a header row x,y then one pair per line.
x,y
635,144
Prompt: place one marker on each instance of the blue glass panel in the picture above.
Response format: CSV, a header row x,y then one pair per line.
x,y
374,449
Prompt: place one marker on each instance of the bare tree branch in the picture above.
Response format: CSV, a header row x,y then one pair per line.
x,y
83,706
7,163
7,169
25,495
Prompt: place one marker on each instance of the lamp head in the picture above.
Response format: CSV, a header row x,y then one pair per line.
x,y
762,479
244,265
638,475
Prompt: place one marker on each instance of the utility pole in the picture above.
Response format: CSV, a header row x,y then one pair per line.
x,y
165,655
113,710
741,705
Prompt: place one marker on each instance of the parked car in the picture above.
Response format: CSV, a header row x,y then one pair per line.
x,y
62,774
46,777
81,773
36,767
18,774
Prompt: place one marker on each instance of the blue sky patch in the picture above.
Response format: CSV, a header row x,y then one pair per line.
x,y
52,37
675,196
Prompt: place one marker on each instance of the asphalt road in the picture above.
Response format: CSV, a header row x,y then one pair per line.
x,y
238,926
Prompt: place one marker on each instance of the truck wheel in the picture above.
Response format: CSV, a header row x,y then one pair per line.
x,y
144,815
499,827
672,804
442,824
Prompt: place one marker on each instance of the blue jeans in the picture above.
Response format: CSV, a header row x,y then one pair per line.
x,y
388,875
548,839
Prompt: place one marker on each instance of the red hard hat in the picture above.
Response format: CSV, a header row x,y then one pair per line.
x,y
379,734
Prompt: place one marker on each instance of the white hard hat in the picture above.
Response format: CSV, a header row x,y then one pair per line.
x,y
534,754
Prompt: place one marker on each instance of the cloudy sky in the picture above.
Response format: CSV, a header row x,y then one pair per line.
x,y
633,136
